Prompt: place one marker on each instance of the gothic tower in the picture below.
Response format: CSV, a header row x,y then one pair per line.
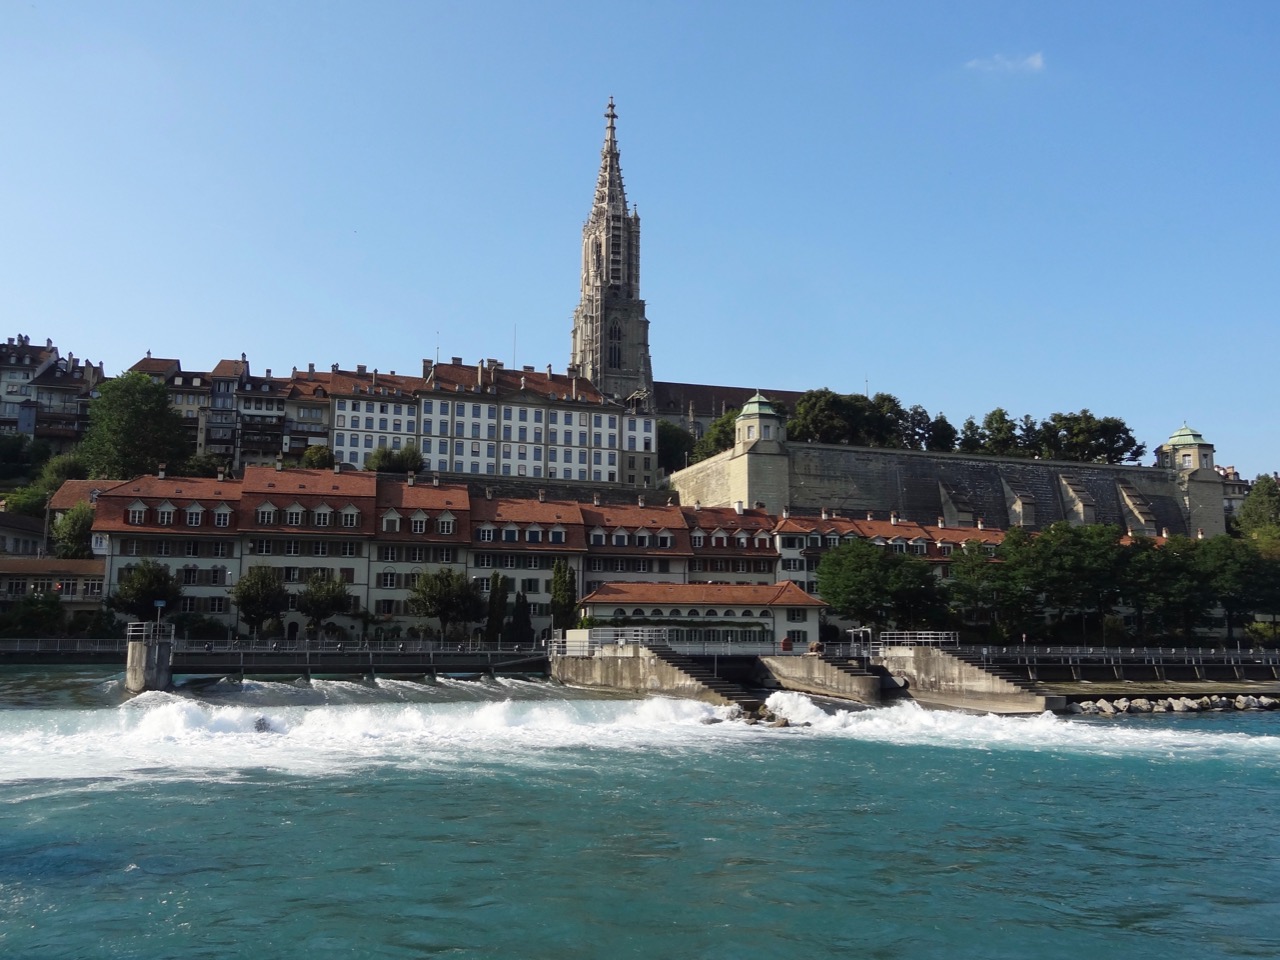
x,y
610,330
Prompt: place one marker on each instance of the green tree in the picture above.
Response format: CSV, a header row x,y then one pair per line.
x,y
972,439
34,615
1078,568
1000,434
318,457
719,436
132,429
971,588
1018,600
564,596
202,465
1088,439
138,591
916,427
72,533
675,446
519,631
448,596
1259,514
259,596
408,459
822,416
872,584
498,592
942,435
321,598
1233,570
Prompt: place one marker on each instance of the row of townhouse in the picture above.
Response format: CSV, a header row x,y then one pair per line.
x,y
378,533
479,420
43,395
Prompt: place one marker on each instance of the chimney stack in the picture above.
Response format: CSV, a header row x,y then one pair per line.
x,y
737,507
980,524
869,516
942,523
160,468
640,500
542,496
893,517
411,478
824,514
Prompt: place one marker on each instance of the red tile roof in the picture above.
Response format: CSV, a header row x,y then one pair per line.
x,y
78,491
784,594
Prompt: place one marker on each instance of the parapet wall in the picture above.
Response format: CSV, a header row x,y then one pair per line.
x,y
814,675
639,673
933,675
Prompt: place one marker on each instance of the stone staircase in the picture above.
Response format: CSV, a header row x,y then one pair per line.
x,y
1008,676
852,666
727,690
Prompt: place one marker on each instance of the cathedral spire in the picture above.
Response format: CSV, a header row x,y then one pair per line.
x,y
610,330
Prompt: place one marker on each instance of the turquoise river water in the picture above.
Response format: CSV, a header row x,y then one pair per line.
x,y
516,819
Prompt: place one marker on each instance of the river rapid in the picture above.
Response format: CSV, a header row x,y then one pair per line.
x,y
518,819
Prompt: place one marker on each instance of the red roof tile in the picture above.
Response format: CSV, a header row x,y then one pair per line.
x,y
784,594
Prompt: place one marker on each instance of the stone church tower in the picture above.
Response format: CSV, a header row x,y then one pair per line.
x,y
610,330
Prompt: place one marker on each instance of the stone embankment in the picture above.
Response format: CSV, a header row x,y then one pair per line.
x,y
1173,705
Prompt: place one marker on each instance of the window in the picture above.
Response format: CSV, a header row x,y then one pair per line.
x,y
320,549
137,515
193,548
164,517
163,548
417,554
387,554
321,518
350,549
419,525
266,516
486,535
193,518
261,547
292,548
444,526
293,518
351,519
797,616
217,604
387,581
219,550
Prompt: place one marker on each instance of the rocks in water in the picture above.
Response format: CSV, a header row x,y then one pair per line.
x,y
1141,705
1105,708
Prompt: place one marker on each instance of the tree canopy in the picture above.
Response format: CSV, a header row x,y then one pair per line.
x,y
317,457
448,596
137,592
321,598
675,446
875,585
408,459
718,436
564,596
259,596
132,429
72,533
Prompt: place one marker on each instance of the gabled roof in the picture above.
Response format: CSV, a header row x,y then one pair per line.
x,y
784,594
268,481
78,491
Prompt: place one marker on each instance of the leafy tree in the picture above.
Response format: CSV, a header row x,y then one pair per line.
x,y
1078,567
259,596
407,459
202,465
137,592
871,584
916,428
942,435
885,421
972,439
13,456
318,457
26,501
1000,434
321,598
822,416
58,470
72,533
1018,601
1233,570
498,592
971,589
1260,511
675,446
448,596
132,429
564,596
519,631
1087,439
34,615
719,436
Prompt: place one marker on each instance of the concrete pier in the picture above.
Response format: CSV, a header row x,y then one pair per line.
x,y
149,658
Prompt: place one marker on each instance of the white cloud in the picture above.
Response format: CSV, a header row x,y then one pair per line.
x,y
999,63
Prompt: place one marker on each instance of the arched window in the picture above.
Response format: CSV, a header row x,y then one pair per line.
x,y
637,612
619,612
729,613
655,613
711,613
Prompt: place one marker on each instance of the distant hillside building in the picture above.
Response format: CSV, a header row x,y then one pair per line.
x,y
1183,495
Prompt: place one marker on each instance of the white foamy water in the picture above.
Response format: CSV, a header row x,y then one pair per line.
x,y
329,727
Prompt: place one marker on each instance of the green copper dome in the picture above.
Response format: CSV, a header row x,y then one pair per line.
x,y
758,406
1186,437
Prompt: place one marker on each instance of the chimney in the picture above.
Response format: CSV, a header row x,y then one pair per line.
x,y
435,479
1199,533
640,500
337,469
737,507
595,499
160,468
893,517
980,524
222,474
411,478
542,496
824,514
549,374
279,462
488,493
361,369
311,371
869,516
480,374
1164,532
334,368
786,513
456,361
427,368
268,373
697,505
942,523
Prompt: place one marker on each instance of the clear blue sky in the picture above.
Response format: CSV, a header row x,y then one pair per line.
x,y
1038,206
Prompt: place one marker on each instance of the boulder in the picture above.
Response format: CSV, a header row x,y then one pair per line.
x,y
1267,703
1122,705
1105,708
1141,705
1191,706
1176,704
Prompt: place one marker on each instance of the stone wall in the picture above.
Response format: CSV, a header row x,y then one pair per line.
x,y
816,676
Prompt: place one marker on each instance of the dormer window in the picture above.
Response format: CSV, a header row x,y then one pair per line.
x,y
444,526
350,518
266,516
164,516
194,516
510,535
293,517
698,539
137,515
619,539
485,535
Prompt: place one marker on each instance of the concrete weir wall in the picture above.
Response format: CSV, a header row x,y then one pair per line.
x,y
147,666
630,668
933,674
816,676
